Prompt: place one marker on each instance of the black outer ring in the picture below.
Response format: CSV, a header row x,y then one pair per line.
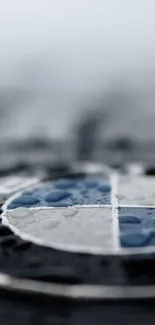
x,y
27,311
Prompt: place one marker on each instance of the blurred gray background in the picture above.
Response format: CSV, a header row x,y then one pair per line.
x,y
59,58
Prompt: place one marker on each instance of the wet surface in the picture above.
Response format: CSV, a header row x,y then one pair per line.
x,y
66,193
68,227
136,190
137,226
86,227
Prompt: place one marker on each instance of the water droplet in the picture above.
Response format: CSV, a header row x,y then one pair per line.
x,y
84,192
70,211
90,183
25,200
55,196
60,204
126,218
134,239
104,187
50,224
65,183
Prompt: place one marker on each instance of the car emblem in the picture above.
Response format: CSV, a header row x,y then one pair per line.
x,y
96,220
104,213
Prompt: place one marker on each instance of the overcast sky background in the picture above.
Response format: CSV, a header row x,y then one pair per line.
x,y
78,50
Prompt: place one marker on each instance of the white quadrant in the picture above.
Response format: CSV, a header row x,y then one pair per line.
x,y
136,190
86,229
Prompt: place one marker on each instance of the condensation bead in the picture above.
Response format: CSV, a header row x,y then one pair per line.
x,y
104,188
125,218
64,193
65,183
25,200
90,183
60,204
137,238
55,196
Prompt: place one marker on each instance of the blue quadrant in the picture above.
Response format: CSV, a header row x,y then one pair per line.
x,y
137,226
66,192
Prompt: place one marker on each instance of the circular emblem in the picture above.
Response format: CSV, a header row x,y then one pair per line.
x,y
69,214
101,213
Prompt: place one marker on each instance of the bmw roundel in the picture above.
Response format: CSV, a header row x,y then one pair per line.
x,y
101,213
